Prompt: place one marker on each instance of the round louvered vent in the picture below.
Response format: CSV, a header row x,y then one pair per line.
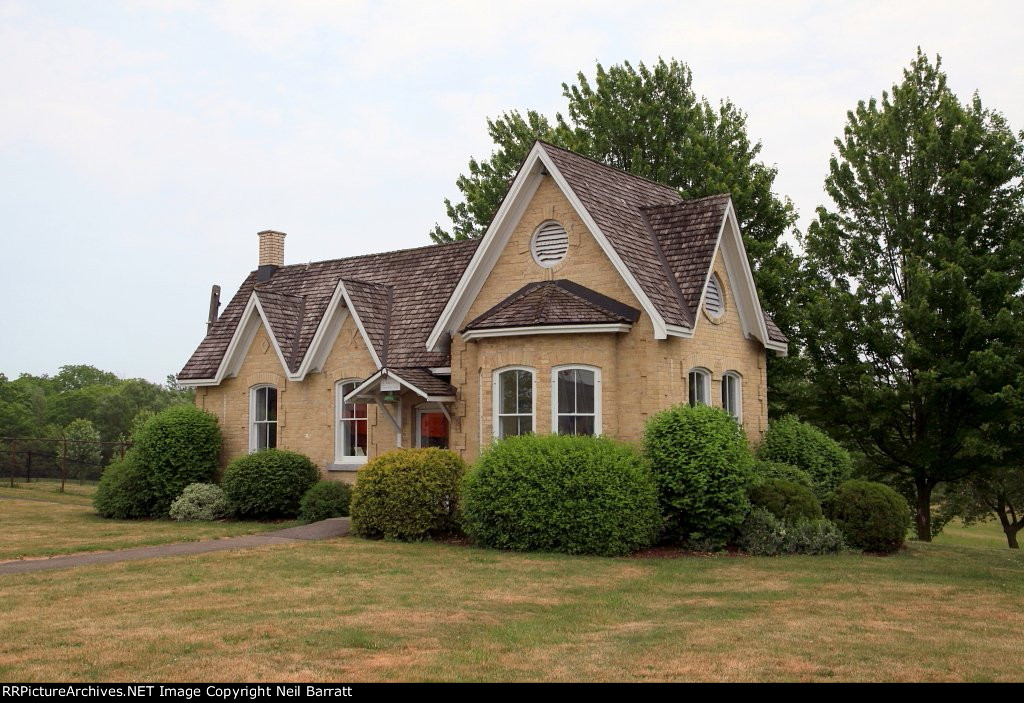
x,y
714,302
550,244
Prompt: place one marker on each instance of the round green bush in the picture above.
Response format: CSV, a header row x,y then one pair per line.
x,y
325,499
177,447
786,500
269,483
408,494
201,501
872,516
702,467
554,493
764,470
804,446
123,492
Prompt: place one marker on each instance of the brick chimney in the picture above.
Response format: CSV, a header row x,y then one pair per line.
x,y
271,253
271,248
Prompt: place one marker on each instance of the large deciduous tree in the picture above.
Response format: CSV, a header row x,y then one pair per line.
x,y
650,122
914,327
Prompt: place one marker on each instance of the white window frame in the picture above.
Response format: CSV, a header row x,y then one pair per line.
x,y
430,408
734,376
339,406
597,395
253,392
496,398
700,370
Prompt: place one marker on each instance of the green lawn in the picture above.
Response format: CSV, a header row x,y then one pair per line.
x,y
354,610
38,521
987,534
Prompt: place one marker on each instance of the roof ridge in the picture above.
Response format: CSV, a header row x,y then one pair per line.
x,y
685,201
475,240
606,303
613,169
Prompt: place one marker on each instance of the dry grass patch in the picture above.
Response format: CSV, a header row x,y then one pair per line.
x,y
354,610
33,526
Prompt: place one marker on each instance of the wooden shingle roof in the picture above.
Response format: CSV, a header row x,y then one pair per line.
x,y
419,281
559,302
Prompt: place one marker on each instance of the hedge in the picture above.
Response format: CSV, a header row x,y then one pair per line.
x,y
702,467
554,493
269,483
804,446
872,516
324,500
786,500
408,494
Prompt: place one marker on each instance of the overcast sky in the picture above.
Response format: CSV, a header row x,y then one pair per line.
x,y
143,144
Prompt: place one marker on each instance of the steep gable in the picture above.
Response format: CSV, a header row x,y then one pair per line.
x,y
397,296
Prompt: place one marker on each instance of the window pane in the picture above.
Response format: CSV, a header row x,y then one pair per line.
x,y
566,424
434,430
271,435
525,425
693,390
508,426
507,391
584,392
584,425
271,404
260,404
567,391
525,392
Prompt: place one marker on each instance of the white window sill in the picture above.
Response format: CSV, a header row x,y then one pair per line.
x,y
348,466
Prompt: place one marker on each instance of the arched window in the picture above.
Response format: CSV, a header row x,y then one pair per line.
x,y
351,427
700,387
732,394
262,418
514,407
576,400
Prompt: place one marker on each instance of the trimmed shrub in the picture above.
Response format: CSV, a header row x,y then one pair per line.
x,y
785,500
702,467
764,470
804,446
763,534
325,499
123,492
201,501
408,494
177,447
555,493
268,484
872,516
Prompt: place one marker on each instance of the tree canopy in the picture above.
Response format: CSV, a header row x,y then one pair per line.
x,y
42,406
921,259
648,121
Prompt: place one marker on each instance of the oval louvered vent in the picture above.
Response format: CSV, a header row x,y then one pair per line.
x,y
550,244
714,303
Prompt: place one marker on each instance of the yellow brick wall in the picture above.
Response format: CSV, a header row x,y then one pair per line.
x,y
306,409
640,375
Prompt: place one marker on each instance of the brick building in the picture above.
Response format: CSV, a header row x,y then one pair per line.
x,y
595,299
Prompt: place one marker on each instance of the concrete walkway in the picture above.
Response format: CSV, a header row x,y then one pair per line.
x,y
335,527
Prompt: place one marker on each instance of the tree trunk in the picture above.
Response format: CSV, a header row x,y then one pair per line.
x,y
923,519
1011,537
